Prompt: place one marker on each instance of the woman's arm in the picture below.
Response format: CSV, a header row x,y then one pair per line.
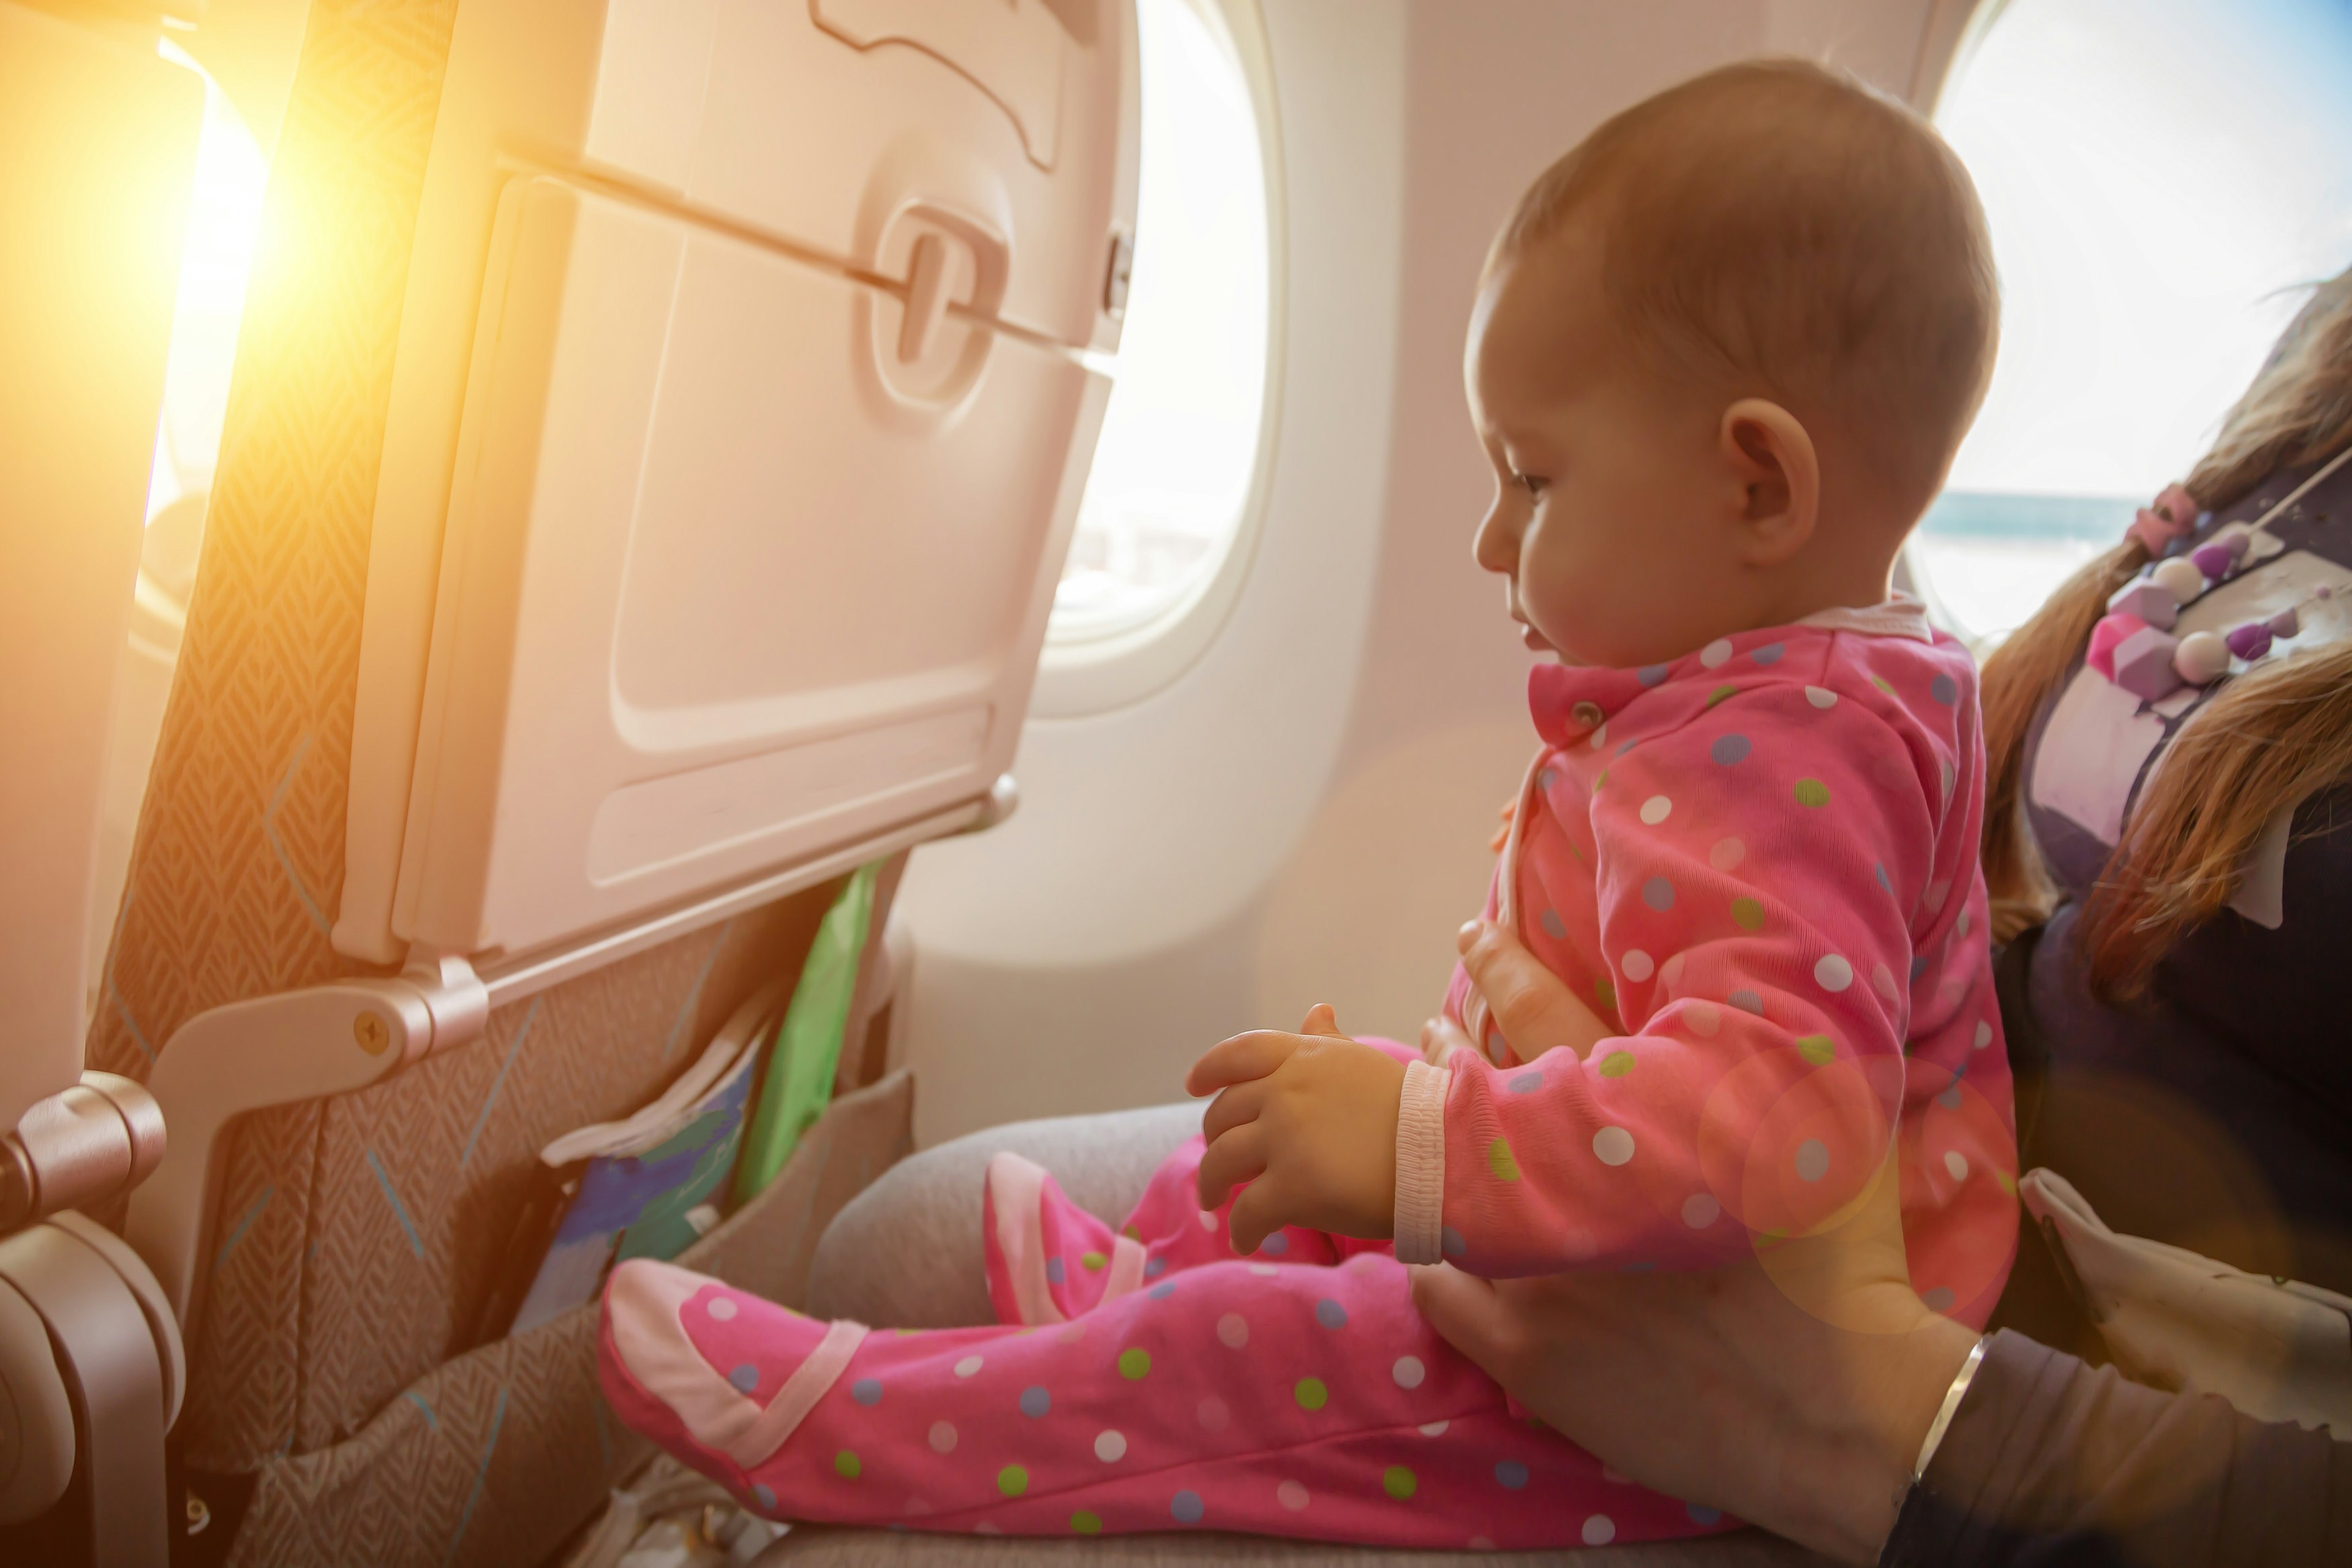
x,y
1796,1392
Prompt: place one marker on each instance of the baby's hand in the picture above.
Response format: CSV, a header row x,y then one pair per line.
x,y
1310,1121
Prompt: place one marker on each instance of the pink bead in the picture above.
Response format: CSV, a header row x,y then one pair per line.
x,y
2147,599
2213,560
2248,642
2286,623
2176,506
2143,664
2111,632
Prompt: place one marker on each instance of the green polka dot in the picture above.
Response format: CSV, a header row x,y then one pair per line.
x,y
1812,791
1616,1064
1399,1482
1134,1364
1093,1261
1747,913
2008,1182
1816,1050
1718,694
1131,1231
1310,1393
1499,1160
1602,779
1605,990
846,1466
1882,684
1013,1479
1087,1523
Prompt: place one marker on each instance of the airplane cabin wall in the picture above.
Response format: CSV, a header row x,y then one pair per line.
x,y
1303,816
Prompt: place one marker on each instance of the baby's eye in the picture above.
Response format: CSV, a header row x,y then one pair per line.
x,y
1530,483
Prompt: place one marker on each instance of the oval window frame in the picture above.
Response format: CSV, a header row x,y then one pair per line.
x,y
1096,672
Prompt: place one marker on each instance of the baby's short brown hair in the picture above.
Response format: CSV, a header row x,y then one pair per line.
x,y
1780,225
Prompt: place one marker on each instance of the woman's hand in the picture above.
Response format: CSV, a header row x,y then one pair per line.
x,y
1309,1120
1793,1391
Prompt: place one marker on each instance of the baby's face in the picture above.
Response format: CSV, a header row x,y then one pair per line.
x,y
1612,517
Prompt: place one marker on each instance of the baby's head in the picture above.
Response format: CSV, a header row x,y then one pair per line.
x,y
1722,356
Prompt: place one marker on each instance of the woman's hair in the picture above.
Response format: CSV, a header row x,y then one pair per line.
x,y
2267,739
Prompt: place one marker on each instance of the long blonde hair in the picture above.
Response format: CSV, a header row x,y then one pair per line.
x,y
2269,739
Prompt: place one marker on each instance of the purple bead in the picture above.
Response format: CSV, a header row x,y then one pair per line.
x,y
2148,600
2250,641
2143,664
2285,624
2213,560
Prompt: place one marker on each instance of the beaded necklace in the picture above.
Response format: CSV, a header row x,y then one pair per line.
x,y
2133,644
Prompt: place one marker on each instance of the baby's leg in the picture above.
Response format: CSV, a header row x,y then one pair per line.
x,y
1293,1401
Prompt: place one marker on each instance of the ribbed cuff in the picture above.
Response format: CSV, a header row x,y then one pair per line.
x,y
1421,1164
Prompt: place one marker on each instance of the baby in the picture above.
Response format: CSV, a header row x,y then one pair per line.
x,y
1719,362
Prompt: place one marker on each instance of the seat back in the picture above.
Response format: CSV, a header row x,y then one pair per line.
x,y
612,531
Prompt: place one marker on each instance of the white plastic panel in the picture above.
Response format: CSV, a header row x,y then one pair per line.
x,y
717,593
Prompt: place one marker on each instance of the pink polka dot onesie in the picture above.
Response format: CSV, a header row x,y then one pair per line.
x,y
1760,862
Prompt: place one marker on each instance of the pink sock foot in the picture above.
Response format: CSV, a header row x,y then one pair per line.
x,y
1048,1259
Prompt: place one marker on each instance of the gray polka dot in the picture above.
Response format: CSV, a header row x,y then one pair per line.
x,y
745,1377
1330,1314
1187,1507
1527,1082
1950,1099
1939,1300
1276,1245
1730,749
1944,690
1512,1474
1035,1401
1161,1292
1747,1001
1769,653
1919,966
765,1493
1554,927
1813,1160
1154,1268
1884,882
1658,893
867,1391
1450,1240
1057,1270
1651,674
1629,745
1546,779
1708,1517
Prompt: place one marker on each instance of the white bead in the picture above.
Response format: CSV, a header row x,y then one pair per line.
x,y
2180,577
2201,658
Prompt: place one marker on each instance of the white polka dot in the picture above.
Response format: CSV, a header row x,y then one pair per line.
x,y
1266,1270
1700,1210
1291,1495
943,1436
1671,971
1635,965
1233,1329
1813,1160
1704,1017
1949,779
1435,1428
1408,1372
1481,1544
1208,1220
1984,1035
988,1527
1600,1530
1833,972
1110,1446
1961,924
1818,698
1599,736
1612,1145
1713,654
1726,854
1656,809
722,1308
1957,1163
1882,978
1615,1478
1212,1415
969,1365
1936,892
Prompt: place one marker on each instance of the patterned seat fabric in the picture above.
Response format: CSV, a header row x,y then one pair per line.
x,y
357,1236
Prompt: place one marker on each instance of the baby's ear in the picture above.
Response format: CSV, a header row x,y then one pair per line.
x,y
1322,1020
1772,458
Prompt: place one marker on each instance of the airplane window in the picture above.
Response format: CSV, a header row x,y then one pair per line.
x,y
2160,177
215,256
1178,454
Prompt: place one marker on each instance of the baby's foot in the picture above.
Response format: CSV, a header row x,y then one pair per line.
x,y
1048,1259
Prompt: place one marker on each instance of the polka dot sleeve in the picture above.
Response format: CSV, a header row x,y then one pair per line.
x,y
1752,870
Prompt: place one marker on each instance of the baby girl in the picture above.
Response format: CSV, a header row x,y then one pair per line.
x,y
1719,362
